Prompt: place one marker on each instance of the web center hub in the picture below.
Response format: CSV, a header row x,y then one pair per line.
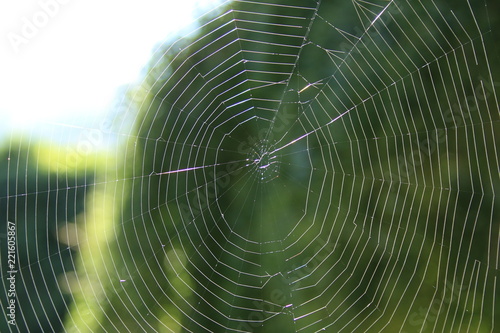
x,y
266,165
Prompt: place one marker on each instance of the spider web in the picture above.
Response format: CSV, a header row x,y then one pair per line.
x,y
292,166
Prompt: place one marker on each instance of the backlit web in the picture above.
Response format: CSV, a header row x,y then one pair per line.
x,y
297,166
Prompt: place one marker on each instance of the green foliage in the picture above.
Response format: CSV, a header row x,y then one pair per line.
x,y
383,203
44,204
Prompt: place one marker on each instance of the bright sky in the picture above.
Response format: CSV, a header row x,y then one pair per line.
x,y
79,53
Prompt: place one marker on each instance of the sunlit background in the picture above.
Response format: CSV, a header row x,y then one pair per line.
x,y
370,202
80,55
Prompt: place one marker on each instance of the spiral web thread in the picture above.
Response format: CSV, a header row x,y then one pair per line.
x,y
306,166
